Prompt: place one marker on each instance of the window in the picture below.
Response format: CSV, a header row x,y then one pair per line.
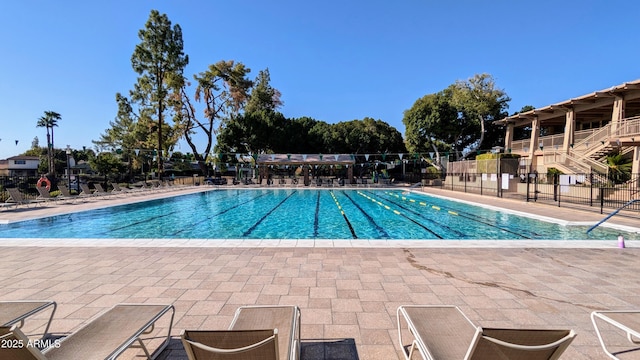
x,y
20,162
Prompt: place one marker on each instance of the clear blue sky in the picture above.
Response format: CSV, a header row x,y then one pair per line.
x,y
331,60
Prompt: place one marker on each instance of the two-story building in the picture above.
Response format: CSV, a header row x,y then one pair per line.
x,y
20,166
576,135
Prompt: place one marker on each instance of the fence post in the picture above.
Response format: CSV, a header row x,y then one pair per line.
x,y
557,176
535,185
591,190
601,200
465,182
528,182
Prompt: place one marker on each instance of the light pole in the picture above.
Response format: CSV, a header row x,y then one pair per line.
x,y
68,151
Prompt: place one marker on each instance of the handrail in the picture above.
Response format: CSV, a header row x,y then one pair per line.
x,y
612,214
570,161
602,133
628,127
583,159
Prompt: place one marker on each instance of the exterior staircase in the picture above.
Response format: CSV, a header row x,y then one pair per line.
x,y
589,154
602,151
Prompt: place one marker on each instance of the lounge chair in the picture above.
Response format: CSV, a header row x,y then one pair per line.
x,y
117,189
256,332
105,337
17,312
100,191
145,187
444,332
7,204
45,195
15,197
625,321
86,191
65,194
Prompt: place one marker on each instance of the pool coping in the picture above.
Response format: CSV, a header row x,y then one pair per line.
x,y
324,243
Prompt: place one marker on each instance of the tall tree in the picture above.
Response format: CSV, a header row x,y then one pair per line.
x,y
260,128
363,136
480,102
49,121
160,61
432,125
126,133
223,90
521,133
263,95
457,118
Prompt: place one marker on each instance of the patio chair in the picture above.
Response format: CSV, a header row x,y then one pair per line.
x,y
65,194
256,332
105,337
231,344
7,204
45,195
127,190
444,332
17,312
170,185
100,191
15,197
145,186
117,189
625,322
86,191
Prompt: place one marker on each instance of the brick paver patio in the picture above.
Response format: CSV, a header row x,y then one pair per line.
x,y
344,293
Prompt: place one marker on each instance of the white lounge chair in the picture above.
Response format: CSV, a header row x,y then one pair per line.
x,y
444,332
626,322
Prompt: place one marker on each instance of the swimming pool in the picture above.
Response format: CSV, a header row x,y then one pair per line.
x,y
300,214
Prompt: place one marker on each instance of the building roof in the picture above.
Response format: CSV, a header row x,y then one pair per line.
x,y
24,157
593,102
299,159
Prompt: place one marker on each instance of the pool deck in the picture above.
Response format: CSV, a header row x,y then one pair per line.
x,y
346,290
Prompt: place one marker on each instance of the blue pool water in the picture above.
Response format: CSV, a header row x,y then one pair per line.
x,y
300,214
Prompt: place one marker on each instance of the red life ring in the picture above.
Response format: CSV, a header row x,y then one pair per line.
x,y
47,183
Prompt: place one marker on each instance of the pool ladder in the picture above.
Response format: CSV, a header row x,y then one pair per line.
x,y
612,214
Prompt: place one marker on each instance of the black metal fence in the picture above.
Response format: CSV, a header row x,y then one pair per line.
x,y
26,184
592,191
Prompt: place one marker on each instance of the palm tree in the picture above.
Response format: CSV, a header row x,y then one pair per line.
x,y
49,121
619,168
